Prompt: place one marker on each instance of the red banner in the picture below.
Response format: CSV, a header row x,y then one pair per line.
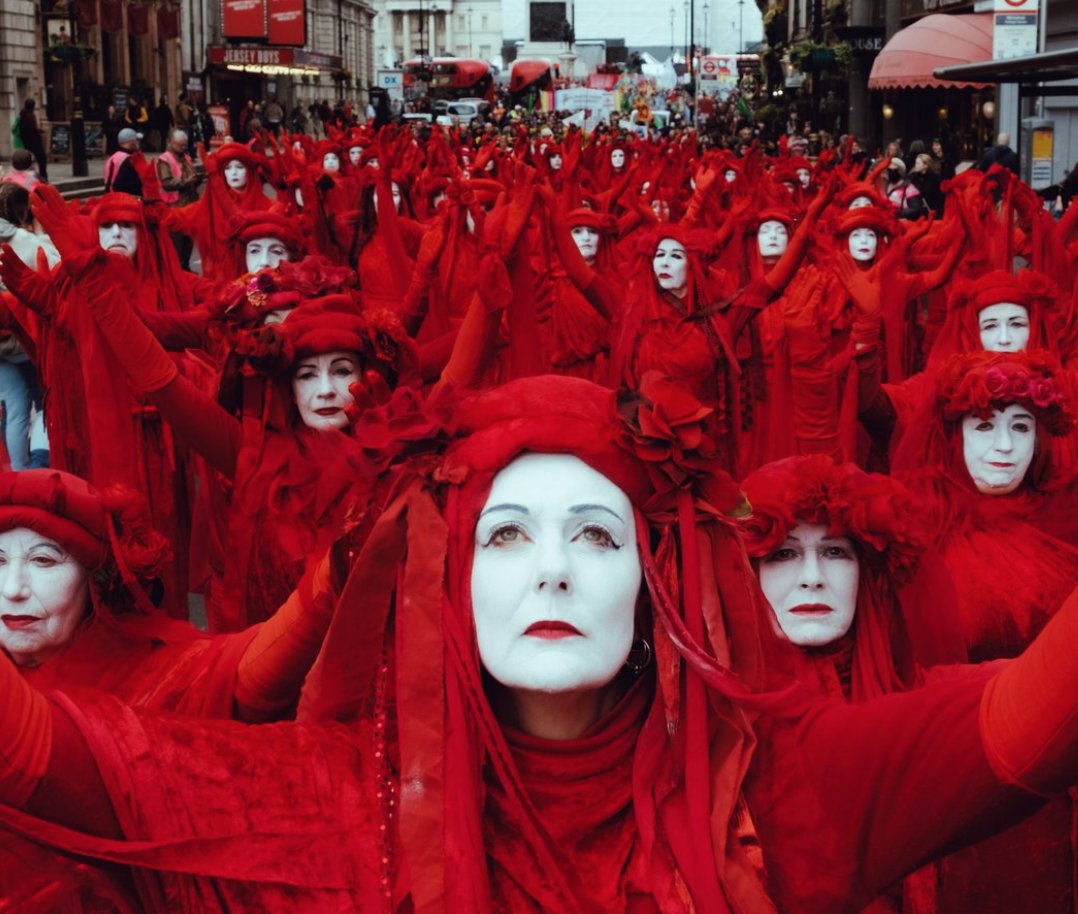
x,y
138,20
168,23
244,18
86,12
112,16
288,22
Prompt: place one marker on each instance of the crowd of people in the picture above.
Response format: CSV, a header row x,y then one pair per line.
x,y
580,523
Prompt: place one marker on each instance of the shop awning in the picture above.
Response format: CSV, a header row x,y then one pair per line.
x,y
909,60
1047,67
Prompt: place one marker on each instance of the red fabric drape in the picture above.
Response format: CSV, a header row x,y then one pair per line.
x,y
86,12
112,16
138,19
168,23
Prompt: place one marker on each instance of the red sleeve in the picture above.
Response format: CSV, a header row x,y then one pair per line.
x,y
850,798
72,792
177,330
200,422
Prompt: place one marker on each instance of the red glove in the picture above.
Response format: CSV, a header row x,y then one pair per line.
x,y
75,236
33,289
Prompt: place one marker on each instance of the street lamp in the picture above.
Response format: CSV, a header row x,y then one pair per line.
x,y
471,10
707,34
741,27
433,21
671,30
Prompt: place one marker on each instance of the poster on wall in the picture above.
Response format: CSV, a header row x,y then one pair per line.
x,y
243,18
287,22
221,124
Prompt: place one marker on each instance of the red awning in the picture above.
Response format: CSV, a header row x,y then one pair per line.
x,y
939,40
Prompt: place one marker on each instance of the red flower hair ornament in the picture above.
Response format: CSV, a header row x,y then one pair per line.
x,y
982,382
875,510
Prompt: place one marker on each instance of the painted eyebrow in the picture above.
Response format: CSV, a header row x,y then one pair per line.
x,y
581,509
1021,416
506,506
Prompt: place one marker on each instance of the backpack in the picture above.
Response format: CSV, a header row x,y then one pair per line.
x,y
16,132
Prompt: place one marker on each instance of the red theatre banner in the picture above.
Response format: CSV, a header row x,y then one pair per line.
x,y
168,23
112,16
86,13
287,22
138,20
244,18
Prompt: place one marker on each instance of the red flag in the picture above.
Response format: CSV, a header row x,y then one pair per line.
x,y
168,23
112,16
86,12
138,19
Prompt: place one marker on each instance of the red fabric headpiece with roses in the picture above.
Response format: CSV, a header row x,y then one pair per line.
x,y
705,608
876,512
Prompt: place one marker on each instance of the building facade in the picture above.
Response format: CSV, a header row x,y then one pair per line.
x,y
407,29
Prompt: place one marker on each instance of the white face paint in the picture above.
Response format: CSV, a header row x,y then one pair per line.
x,y
276,316
771,238
587,241
119,238
373,163
320,388
730,175
858,202
804,176
43,596
811,582
354,153
661,209
555,163
396,196
1004,327
299,198
265,253
331,162
236,174
670,264
555,576
297,146
998,450
617,158
863,244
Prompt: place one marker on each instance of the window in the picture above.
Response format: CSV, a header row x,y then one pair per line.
x,y
483,23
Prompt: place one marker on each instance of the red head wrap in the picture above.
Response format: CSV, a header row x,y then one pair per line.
x,y
604,223
118,207
247,226
881,221
230,151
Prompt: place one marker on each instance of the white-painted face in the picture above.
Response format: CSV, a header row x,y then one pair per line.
x,y
863,244
998,450
555,163
858,202
661,209
811,582
373,163
299,198
396,196
804,176
670,264
730,175
276,316
771,238
265,253
555,576
119,238
236,174
320,387
297,146
331,162
587,241
354,153
1004,327
617,158
43,596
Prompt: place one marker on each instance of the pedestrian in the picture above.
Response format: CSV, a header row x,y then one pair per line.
x,y
162,123
273,115
111,125
22,169
136,116
32,140
183,114
179,185
120,173
298,119
1000,154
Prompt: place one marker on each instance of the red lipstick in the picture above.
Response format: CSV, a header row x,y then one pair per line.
x,y
552,630
18,622
812,609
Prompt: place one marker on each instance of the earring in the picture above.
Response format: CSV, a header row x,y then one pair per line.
x,y
639,656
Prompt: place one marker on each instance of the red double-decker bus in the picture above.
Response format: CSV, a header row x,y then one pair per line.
x,y
448,78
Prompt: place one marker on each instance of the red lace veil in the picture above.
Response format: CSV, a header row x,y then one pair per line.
x,y
879,515
407,608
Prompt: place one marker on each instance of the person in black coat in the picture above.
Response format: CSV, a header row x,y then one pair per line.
x,y
32,139
1000,154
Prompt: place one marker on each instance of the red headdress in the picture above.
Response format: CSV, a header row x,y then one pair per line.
x,y
107,532
851,192
417,564
253,224
961,331
118,207
604,223
980,383
876,512
229,151
881,221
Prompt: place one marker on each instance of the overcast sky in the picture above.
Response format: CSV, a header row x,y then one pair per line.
x,y
647,22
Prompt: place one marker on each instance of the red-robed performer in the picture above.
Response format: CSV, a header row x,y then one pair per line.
x,y
505,725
